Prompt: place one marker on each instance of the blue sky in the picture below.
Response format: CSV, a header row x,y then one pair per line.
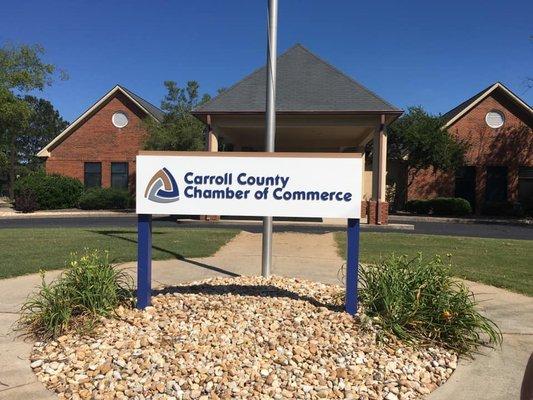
x,y
434,54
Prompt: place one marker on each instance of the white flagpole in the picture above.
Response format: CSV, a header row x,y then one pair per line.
x,y
270,136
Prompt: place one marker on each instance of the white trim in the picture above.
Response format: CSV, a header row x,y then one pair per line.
x,y
45,152
482,97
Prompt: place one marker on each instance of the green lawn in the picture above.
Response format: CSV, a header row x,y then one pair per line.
x,y
24,251
498,262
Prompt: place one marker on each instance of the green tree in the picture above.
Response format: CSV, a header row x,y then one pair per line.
x,y
45,124
179,130
14,116
417,139
21,70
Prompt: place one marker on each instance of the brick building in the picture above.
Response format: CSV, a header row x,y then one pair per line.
x,y
497,128
99,148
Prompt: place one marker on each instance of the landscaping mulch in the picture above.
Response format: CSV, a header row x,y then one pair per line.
x,y
246,337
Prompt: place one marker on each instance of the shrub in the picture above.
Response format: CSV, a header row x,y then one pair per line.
x,y
450,206
26,201
51,191
105,199
90,287
417,206
419,301
439,206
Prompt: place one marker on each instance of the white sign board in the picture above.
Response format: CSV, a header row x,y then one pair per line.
x,y
250,184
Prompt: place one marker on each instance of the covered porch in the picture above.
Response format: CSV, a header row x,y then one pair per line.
x,y
318,109
314,133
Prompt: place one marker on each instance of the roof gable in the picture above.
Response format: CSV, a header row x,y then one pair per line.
x,y
462,109
144,105
305,83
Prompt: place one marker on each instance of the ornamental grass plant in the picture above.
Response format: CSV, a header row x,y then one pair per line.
x,y
89,288
419,301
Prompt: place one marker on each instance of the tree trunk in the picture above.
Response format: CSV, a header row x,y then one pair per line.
x,y
12,163
411,175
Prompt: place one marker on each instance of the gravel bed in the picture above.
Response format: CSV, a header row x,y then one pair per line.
x,y
233,338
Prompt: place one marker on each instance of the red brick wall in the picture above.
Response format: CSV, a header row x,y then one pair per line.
x,y
98,140
511,146
369,210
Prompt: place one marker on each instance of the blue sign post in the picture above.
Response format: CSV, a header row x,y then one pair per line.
x,y
352,266
144,260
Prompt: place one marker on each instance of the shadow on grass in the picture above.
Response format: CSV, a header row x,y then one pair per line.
x,y
116,234
245,290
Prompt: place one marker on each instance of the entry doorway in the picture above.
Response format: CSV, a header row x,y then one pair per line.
x,y
465,184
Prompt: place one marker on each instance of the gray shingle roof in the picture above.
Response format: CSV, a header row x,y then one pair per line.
x,y
304,83
153,110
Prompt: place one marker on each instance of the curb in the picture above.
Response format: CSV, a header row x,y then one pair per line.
x,y
323,225
487,221
73,214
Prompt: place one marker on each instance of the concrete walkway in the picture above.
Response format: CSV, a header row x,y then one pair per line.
x,y
496,375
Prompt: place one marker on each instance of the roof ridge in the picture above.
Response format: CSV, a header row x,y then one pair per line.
x,y
131,93
351,92
239,82
338,71
515,95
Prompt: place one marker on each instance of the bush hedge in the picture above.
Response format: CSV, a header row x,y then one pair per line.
x,y
418,206
51,191
439,206
26,201
105,199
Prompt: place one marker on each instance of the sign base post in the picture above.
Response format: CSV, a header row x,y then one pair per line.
x,y
352,266
144,260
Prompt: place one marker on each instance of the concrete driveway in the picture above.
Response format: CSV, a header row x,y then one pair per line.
x,y
497,374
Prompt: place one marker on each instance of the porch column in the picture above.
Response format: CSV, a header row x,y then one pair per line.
x,y
212,137
212,146
379,175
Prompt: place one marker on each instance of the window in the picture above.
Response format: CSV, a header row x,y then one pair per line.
x,y
494,119
119,175
525,185
92,174
120,119
496,186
